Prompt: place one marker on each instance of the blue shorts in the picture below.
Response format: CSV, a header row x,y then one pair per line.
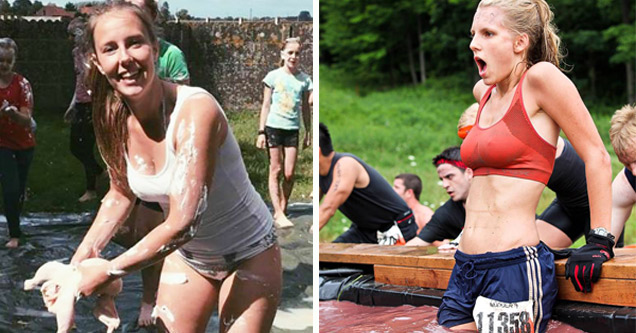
x,y
521,274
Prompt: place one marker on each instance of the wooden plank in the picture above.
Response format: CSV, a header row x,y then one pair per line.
x,y
622,266
410,256
412,276
617,292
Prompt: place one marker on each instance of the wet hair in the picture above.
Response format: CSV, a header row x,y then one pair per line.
x,y
291,40
324,140
151,8
449,154
623,129
534,18
8,45
411,182
468,117
110,113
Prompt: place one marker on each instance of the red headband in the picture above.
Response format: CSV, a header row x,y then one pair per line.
x,y
458,164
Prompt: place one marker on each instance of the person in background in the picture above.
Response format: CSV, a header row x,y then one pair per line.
x,y
17,141
171,144
79,114
623,138
362,195
285,100
409,186
448,220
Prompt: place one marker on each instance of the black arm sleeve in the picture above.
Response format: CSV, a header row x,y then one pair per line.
x,y
447,223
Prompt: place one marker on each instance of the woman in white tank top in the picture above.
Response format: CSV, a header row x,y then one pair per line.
x,y
172,145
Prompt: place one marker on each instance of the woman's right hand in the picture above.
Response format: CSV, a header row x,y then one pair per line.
x,y
82,253
260,141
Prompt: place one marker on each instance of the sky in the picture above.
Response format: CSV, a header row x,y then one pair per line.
x,y
225,8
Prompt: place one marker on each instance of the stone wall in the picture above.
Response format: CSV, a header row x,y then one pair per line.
x,y
226,58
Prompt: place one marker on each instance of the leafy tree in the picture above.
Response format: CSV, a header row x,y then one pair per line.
x,y
70,7
37,5
22,7
5,7
182,14
304,16
164,12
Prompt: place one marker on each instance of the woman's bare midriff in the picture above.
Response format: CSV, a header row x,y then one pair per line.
x,y
500,214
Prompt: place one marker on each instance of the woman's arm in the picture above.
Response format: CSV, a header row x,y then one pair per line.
x,y
201,129
113,211
306,119
555,94
267,100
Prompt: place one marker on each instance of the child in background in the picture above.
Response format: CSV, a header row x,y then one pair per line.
x,y
286,94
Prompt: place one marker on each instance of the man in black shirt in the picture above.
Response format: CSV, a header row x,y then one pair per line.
x,y
362,195
448,220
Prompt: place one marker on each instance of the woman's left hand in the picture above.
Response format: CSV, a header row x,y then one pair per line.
x,y
93,277
307,140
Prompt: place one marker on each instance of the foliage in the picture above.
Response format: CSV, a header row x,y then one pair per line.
x,y
70,7
359,36
402,129
182,14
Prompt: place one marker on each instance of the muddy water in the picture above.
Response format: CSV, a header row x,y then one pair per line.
x,y
56,236
347,317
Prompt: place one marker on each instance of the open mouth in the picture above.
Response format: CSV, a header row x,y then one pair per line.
x,y
481,65
130,76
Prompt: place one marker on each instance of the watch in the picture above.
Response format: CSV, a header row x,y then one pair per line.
x,y
602,232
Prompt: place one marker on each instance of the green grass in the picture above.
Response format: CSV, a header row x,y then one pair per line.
x,y
401,130
56,177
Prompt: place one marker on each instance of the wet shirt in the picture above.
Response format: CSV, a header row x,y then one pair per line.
x,y
568,179
446,223
375,206
510,147
171,65
630,178
13,135
287,93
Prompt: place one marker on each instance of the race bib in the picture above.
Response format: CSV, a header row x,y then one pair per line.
x,y
493,316
392,236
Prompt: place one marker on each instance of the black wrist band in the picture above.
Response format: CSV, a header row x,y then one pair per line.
x,y
261,132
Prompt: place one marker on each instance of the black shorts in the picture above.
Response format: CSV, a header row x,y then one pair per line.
x,y
151,205
573,222
280,137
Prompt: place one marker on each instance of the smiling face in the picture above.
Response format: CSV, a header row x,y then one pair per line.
x,y
124,51
291,56
493,45
455,182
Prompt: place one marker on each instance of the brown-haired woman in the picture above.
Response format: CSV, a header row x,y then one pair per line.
x,y
171,144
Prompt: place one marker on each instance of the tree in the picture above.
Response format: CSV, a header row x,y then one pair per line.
x,y
164,12
22,7
37,5
5,7
182,14
70,7
304,16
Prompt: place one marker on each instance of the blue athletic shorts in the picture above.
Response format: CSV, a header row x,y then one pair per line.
x,y
521,274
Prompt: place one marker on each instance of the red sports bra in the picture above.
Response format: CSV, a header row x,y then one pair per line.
x,y
511,147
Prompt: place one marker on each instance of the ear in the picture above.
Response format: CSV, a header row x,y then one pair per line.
x,y
282,54
96,63
409,193
521,43
469,173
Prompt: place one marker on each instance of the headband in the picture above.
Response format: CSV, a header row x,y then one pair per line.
x,y
463,132
458,164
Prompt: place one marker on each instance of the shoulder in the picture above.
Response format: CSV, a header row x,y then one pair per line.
x,y
542,74
199,106
349,165
168,49
479,90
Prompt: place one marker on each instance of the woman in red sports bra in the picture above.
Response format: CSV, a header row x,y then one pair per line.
x,y
503,274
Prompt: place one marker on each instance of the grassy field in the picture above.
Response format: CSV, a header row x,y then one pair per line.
x,y
56,178
401,130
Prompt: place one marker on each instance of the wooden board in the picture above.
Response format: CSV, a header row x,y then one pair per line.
x,y
424,267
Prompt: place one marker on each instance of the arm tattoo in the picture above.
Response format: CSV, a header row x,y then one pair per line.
x,y
337,183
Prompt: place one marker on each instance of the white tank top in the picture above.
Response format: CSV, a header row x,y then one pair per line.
x,y
236,215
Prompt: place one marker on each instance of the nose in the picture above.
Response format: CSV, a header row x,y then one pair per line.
x,y
124,56
473,44
445,183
